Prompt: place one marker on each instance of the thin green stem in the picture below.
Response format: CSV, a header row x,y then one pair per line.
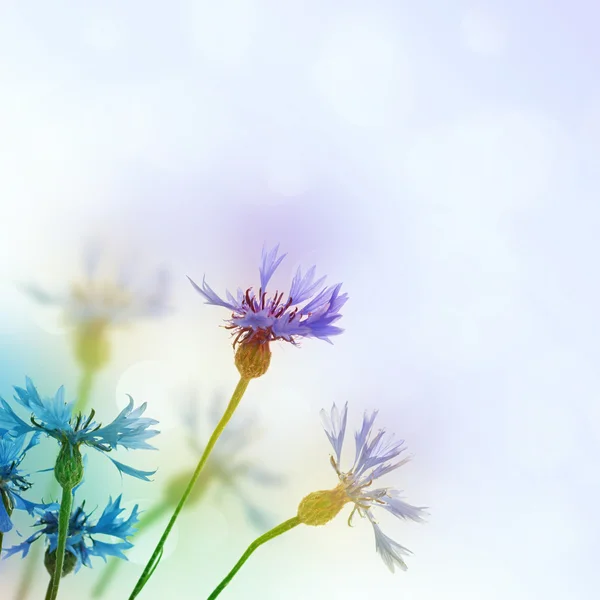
x,y
286,526
9,508
155,558
84,390
49,589
109,572
27,579
146,520
64,516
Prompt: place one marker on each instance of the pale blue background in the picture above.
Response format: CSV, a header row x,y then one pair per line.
x,y
439,158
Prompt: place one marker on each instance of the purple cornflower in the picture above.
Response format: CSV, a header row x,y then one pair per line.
x,y
376,455
310,309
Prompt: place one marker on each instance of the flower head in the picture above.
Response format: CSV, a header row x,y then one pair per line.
x,y
54,417
258,318
108,300
13,481
98,302
376,455
229,465
82,540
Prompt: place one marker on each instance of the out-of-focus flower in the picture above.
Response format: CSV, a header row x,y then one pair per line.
x,y
376,455
227,466
54,417
96,303
82,540
13,481
310,310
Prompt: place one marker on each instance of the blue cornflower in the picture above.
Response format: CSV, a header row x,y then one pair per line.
x,y
82,540
99,299
376,455
309,311
54,417
13,481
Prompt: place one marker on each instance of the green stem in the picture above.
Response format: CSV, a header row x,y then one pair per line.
x,y
155,558
286,526
9,508
146,520
83,391
27,579
108,574
64,516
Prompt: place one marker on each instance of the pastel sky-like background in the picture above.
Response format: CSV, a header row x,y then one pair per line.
x,y
439,158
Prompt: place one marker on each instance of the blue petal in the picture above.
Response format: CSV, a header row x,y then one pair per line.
x,y
143,475
5,522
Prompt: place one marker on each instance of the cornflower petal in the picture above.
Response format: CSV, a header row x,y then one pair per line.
x,y
211,296
391,552
403,510
334,424
269,263
138,473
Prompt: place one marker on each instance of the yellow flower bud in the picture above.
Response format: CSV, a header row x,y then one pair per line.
x,y
252,359
321,507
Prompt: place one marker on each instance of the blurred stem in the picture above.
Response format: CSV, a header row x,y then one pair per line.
x,y
64,516
83,397
84,390
155,558
273,533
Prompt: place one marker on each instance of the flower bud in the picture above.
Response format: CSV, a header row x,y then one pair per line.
x,y
69,562
252,359
92,348
321,507
68,469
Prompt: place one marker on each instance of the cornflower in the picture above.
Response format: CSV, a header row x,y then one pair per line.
x,y
13,481
258,319
82,540
55,417
309,311
98,303
376,455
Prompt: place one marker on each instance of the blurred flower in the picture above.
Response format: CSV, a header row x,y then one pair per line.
x,y
309,311
54,417
118,301
96,303
227,466
375,456
82,540
12,480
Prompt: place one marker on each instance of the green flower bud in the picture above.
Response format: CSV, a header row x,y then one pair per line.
x,y
321,507
253,358
69,562
68,469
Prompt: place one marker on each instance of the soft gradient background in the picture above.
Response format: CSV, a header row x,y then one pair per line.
x,y
439,158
